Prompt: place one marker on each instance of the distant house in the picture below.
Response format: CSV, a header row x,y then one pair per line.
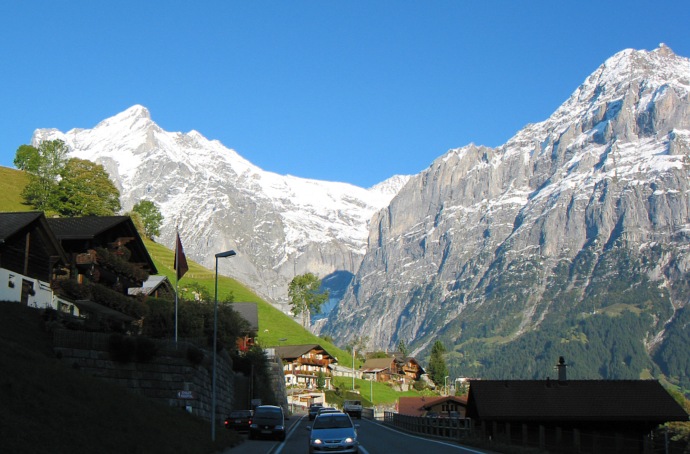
x,y
249,312
302,364
379,369
565,415
396,368
31,261
445,406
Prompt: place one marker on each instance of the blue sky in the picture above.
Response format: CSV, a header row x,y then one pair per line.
x,y
352,91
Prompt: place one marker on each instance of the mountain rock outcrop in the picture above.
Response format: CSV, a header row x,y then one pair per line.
x,y
577,218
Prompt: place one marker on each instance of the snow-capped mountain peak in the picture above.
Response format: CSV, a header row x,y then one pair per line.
x,y
280,225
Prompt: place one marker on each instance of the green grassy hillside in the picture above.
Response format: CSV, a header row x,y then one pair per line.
x,y
12,182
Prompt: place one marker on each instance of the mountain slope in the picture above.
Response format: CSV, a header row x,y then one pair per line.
x,y
510,255
279,225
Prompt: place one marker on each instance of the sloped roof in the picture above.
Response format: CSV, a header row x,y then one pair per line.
x,y
572,400
249,312
84,227
377,364
149,286
288,352
12,223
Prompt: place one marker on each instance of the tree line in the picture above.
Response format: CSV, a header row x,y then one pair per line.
x,y
71,187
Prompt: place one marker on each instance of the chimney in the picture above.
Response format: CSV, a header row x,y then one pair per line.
x,y
561,369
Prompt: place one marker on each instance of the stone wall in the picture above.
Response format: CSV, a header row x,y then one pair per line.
x,y
169,377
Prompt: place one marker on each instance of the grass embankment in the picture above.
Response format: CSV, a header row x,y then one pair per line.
x,y
47,407
274,325
383,393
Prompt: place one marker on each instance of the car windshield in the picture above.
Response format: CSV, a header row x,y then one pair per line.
x,y
332,422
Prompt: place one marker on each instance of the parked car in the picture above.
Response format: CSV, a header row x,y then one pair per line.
x,y
314,410
239,420
333,432
268,421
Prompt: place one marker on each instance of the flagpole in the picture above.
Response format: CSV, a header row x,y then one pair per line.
x,y
177,273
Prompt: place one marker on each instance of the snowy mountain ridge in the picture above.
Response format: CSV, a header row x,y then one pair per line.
x,y
279,225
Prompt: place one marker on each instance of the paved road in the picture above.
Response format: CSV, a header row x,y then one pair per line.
x,y
374,438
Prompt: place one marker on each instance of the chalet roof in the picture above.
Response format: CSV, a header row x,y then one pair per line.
x,y
249,312
288,352
84,227
377,364
12,223
150,285
573,400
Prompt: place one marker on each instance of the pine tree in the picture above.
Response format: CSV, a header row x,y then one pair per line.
x,y
437,364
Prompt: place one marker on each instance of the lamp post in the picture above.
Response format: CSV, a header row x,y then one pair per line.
x,y
353,367
445,384
215,344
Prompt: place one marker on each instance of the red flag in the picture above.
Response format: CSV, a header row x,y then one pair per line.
x,y
180,259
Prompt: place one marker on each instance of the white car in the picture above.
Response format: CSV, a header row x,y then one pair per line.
x,y
333,432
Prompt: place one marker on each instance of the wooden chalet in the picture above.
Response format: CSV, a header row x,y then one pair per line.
x,y
302,364
81,237
31,259
597,416
405,369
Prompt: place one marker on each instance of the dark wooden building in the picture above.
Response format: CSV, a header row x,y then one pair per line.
x,y
28,246
82,237
591,416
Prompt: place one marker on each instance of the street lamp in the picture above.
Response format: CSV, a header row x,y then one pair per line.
x,y
445,384
215,343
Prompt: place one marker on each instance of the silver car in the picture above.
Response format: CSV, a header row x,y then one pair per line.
x,y
333,432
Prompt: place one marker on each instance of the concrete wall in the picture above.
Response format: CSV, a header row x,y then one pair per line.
x,y
169,378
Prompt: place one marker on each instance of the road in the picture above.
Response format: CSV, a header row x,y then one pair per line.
x,y
374,438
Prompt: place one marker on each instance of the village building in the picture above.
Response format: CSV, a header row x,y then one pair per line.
x,y
304,365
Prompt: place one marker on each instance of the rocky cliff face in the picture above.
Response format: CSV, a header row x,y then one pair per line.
x,y
280,226
491,244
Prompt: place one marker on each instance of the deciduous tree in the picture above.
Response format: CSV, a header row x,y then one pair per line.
x,y
305,298
85,189
150,216
43,164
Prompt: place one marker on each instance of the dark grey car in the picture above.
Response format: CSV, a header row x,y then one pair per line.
x,y
268,422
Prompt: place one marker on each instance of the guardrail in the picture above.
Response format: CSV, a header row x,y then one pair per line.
x,y
451,428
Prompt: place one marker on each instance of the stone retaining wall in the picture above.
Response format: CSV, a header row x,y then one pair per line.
x,y
169,378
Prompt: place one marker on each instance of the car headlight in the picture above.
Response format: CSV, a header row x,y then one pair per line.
x,y
349,440
280,427
316,441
